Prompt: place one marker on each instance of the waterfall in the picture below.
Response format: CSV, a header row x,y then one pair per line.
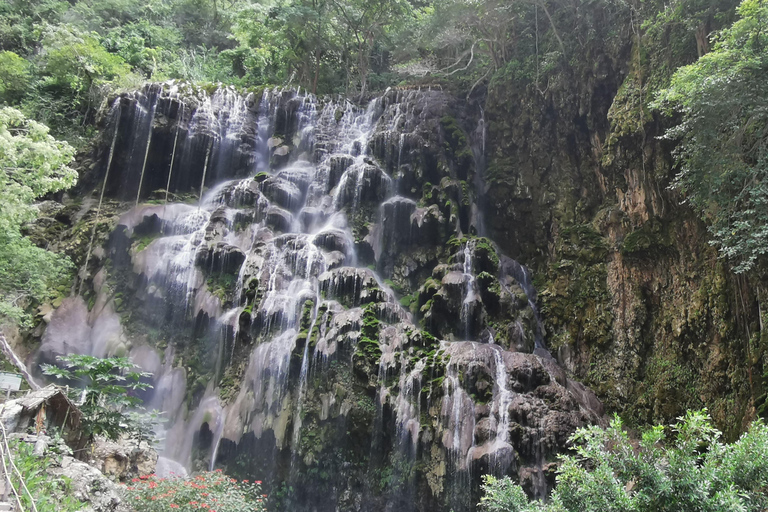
x,y
173,155
114,113
467,303
146,149
501,401
205,171
292,284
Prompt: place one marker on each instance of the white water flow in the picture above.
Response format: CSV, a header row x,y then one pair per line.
x,y
303,375
205,171
458,417
469,290
173,153
16,360
293,228
408,407
287,266
146,148
502,398
530,291
115,113
219,430
263,128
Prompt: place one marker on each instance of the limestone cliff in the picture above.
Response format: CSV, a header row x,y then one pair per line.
x,y
635,302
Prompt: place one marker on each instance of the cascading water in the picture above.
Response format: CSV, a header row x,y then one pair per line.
x,y
469,290
501,400
262,268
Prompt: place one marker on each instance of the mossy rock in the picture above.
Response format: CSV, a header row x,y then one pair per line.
x,y
651,238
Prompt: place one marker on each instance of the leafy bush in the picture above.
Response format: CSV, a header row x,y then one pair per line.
x,y
210,491
14,77
50,494
104,386
692,471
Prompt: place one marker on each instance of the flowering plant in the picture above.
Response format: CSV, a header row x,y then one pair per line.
x,y
207,492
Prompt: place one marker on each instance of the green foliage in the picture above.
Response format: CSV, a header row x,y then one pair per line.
x,y
649,238
723,134
51,494
14,77
503,495
76,74
221,285
104,388
213,491
32,164
368,346
691,471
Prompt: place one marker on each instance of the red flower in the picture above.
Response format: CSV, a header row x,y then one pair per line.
x,y
173,505
257,482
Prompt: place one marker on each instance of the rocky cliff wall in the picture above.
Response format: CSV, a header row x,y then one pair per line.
x,y
635,302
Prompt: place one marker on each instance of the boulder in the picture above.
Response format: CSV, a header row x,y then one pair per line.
x,y
123,459
352,286
282,192
279,219
88,484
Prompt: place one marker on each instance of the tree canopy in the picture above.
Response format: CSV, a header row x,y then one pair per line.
x,y
32,164
723,135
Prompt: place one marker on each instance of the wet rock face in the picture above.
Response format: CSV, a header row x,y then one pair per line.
x,y
332,312
628,280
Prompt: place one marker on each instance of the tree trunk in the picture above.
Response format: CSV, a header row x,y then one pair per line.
x,y
702,38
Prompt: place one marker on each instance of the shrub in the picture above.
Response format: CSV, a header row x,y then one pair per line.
x,y
211,491
14,77
691,471
51,494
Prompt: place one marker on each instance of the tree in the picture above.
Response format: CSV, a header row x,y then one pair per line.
x,y
32,164
75,67
15,77
365,22
723,136
103,389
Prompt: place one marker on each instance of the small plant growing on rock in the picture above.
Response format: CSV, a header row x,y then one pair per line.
x,y
211,491
49,493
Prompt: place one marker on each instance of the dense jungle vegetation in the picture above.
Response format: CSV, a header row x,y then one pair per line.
x,y
700,68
